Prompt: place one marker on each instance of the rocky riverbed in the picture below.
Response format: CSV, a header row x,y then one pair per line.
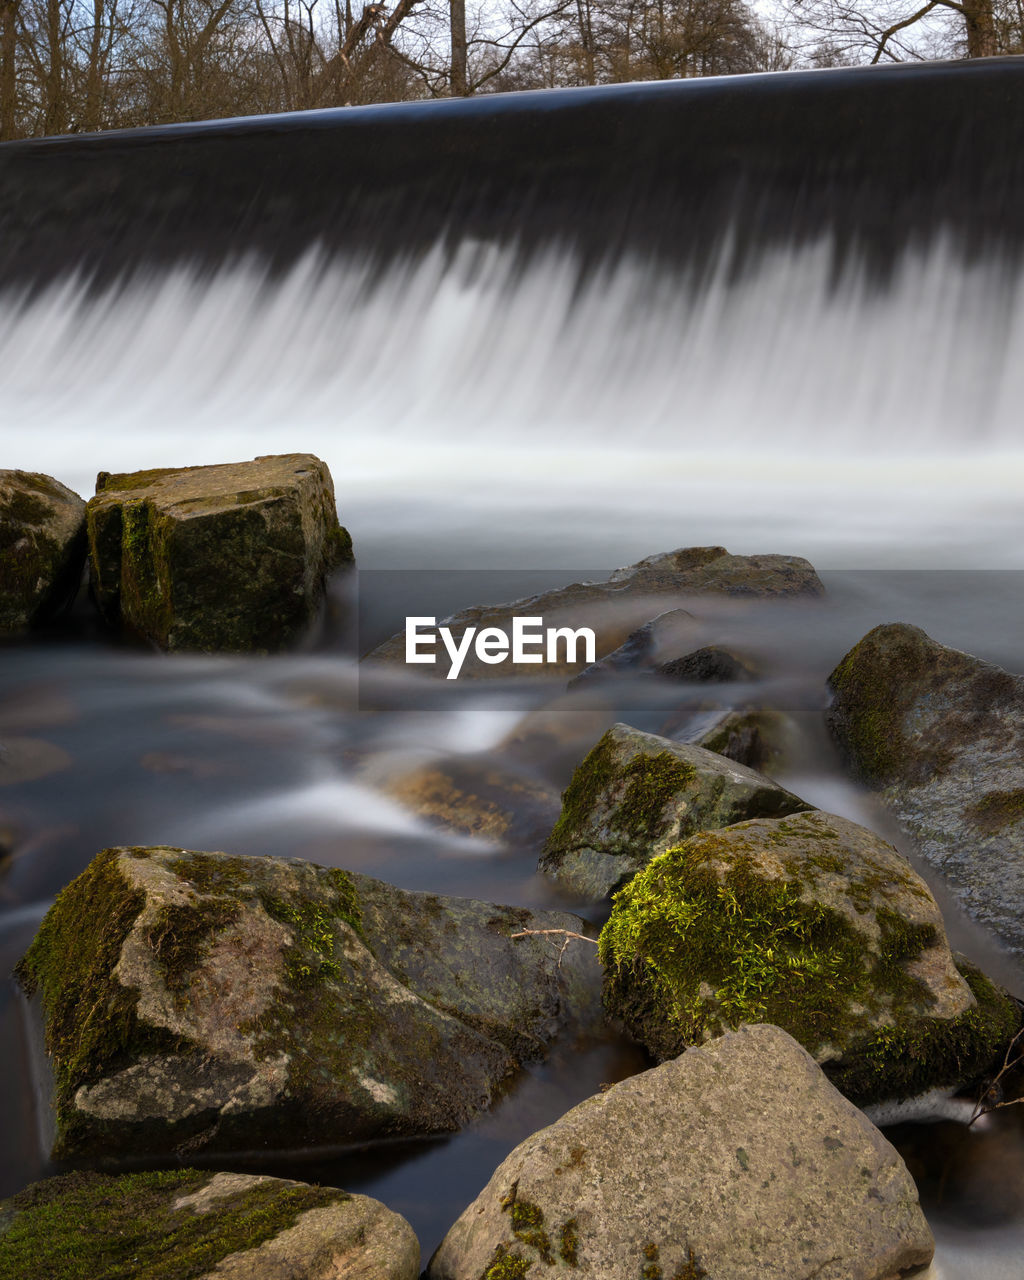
x,y
304,929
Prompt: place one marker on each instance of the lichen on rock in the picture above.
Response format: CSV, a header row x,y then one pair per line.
x,y
818,926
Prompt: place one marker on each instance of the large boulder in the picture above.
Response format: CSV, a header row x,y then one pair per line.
x,y
194,1226
42,549
737,1161
635,794
225,558
617,607
941,734
817,925
200,1001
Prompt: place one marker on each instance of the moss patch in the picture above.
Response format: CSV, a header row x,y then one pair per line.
x,y
85,1226
996,810
928,1053
649,783
701,942
528,1226
90,1017
506,1264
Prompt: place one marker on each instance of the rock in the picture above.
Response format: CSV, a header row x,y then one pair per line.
x,y
479,796
736,1161
615,608
42,549
196,1001
941,735
713,664
758,738
817,925
181,1222
225,558
28,759
636,794
666,635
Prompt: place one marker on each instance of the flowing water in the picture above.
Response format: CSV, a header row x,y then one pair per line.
x,y
498,420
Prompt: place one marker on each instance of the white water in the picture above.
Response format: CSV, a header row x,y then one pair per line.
x,y
478,415
464,401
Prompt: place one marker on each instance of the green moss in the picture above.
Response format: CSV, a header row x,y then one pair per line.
x,y
20,508
181,934
649,783
700,942
569,1243
927,1053
90,1017
682,925
996,810
875,685
691,1269
85,1226
212,874
592,776
311,958
506,1264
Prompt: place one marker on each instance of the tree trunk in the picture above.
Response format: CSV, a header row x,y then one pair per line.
x,y
981,28
460,70
8,69
55,115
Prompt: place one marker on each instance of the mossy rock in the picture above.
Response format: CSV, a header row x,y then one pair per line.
x,y
941,734
735,1161
636,794
814,924
200,1001
228,558
615,608
482,796
42,549
185,1225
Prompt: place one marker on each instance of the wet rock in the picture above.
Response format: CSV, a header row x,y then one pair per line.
x,y
737,1160
616,608
88,1226
479,796
196,1001
225,558
713,664
817,925
941,735
659,639
28,759
636,794
758,738
42,549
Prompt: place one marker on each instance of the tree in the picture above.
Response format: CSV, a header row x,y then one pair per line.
x,y
845,31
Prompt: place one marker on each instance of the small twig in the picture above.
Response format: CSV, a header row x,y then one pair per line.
x,y
566,935
980,1109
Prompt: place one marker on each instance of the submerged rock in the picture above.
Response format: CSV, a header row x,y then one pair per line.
x,y
714,664
226,558
736,1161
28,759
479,796
148,1226
635,794
941,735
759,738
817,925
200,1001
615,608
42,549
